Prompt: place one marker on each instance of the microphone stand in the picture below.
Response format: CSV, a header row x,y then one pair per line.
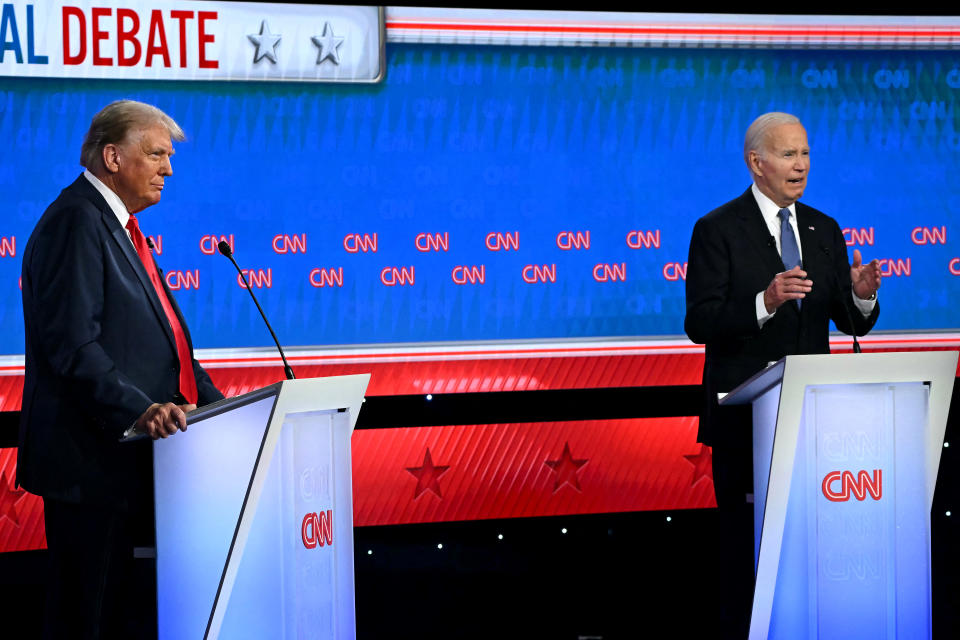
x,y
224,248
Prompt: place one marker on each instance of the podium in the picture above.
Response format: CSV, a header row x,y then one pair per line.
x,y
846,450
254,512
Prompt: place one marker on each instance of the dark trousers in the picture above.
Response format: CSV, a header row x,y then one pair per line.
x,y
90,572
732,481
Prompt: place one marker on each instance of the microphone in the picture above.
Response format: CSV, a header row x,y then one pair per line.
x,y
836,282
224,248
771,241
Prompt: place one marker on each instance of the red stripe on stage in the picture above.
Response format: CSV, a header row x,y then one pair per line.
x,y
482,375
477,472
21,513
524,470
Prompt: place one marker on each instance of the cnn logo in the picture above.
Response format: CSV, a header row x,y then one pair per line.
x,y
317,529
858,486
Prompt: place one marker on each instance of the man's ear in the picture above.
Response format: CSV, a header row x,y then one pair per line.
x,y
754,163
111,158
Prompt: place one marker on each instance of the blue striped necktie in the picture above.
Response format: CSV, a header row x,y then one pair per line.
x,y
789,251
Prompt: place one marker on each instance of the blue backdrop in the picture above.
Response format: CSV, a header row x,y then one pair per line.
x,y
472,140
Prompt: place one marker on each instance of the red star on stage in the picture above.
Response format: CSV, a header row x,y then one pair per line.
x,y
566,469
702,464
427,475
8,500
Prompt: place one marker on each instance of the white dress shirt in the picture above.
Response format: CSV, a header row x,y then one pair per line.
x,y
113,201
771,215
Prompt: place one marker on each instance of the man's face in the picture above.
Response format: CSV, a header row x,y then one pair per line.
x,y
781,167
143,162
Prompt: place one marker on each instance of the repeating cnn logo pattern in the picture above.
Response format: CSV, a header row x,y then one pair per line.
x,y
317,529
859,486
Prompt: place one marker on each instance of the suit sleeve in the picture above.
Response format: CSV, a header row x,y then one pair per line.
x,y
842,308
207,392
64,278
716,309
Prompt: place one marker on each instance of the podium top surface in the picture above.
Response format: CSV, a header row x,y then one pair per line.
x,y
220,406
843,368
335,392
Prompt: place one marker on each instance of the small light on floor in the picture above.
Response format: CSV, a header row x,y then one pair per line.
x,y
369,552
669,519
948,514
946,445
440,546
499,536
564,530
429,397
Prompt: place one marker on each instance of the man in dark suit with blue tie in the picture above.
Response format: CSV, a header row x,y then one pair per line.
x,y
108,355
766,274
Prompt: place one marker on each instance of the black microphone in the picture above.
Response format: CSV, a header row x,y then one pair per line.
x,y
771,241
839,289
227,252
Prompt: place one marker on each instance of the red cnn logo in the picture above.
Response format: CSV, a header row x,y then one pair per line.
x,y
859,486
317,529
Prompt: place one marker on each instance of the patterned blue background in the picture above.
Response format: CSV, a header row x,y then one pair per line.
x,y
470,140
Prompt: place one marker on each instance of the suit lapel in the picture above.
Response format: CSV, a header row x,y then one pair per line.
x,y
122,241
125,247
810,243
755,229
815,262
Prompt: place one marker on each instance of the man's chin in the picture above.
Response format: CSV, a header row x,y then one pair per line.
x,y
795,195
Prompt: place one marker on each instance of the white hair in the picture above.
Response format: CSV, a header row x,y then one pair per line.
x,y
757,132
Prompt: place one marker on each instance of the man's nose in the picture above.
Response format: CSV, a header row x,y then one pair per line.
x,y
166,169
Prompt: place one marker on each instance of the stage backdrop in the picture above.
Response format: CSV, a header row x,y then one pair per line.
x,y
500,192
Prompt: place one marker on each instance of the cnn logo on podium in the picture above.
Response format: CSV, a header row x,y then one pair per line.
x,y
858,486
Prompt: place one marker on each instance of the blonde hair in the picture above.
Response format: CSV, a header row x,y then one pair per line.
x,y
113,124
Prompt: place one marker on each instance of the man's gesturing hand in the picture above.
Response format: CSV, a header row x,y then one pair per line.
x,y
161,420
865,277
787,285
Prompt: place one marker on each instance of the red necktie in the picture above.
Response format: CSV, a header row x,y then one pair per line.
x,y
188,384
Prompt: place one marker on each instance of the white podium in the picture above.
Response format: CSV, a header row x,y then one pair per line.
x,y
846,450
254,512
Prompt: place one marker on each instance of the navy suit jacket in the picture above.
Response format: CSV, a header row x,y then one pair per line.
x,y
732,258
99,351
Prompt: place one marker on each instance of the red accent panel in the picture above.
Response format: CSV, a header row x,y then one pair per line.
x,y
503,374
438,474
469,376
21,513
11,392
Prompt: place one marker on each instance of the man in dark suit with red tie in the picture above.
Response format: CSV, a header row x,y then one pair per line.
x,y
766,274
108,355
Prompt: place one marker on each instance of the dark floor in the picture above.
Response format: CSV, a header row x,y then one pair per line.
x,y
633,575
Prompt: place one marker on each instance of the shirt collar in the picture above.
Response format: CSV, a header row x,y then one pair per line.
x,y
769,208
113,200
